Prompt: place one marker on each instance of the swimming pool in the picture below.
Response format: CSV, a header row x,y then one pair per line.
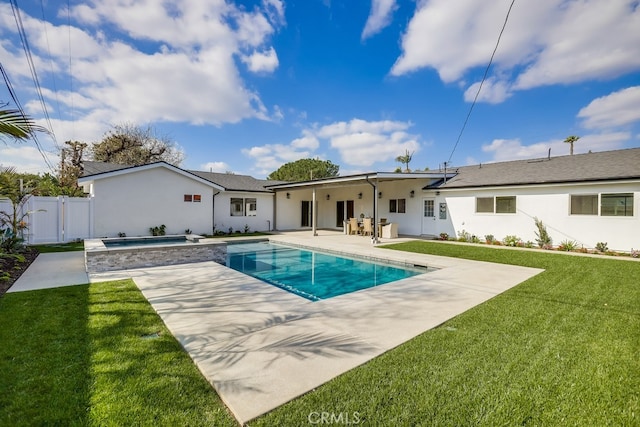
x,y
309,274
144,241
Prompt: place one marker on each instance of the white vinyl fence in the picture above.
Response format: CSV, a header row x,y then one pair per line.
x,y
56,219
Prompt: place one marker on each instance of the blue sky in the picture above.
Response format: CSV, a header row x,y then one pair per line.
x,y
248,86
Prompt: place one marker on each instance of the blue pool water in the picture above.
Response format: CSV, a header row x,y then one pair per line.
x,y
309,274
144,241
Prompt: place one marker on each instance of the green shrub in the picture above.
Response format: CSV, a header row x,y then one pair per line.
x,y
464,236
568,245
602,247
544,240
158,230
512,240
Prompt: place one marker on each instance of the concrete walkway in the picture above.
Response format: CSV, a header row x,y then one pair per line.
x,y
52,270
261,346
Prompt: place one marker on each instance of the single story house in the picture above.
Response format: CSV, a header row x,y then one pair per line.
x,y
132,199
586,198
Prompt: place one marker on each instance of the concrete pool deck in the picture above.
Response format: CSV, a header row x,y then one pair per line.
x,y
260,346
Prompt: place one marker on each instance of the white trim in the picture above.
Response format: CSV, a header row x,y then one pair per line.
x,y
91,178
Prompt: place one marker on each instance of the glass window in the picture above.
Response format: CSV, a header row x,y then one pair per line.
x,y
506,204
197,198
402,205
584,204
484,204
187,198
251,207
393,204
616,204
429,208
237,207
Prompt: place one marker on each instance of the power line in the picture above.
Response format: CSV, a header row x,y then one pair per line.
x,y
73,123
53,76
25,44
484,77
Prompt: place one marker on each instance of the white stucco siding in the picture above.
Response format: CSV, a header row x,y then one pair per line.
x,y
261,221
552,206
289,209
132,203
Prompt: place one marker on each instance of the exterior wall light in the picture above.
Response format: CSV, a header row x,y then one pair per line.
x,y
360,195
328,197
412,193
380,195
288,195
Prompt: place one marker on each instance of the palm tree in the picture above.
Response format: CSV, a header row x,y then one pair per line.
x,y
405,159
16,125
570,140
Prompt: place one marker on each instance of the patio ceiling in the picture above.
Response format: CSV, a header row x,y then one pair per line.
x,y
350,180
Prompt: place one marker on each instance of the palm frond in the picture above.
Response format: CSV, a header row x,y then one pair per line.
x,y
16,125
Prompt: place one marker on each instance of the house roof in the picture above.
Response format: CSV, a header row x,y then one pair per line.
x,y
225,181
233,182
359,179
600,166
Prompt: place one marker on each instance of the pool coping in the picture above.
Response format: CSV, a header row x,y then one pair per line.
x,y
261,346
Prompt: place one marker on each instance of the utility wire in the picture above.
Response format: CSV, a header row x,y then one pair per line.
x,y
12,92
73,122
25,44
484,77
53,76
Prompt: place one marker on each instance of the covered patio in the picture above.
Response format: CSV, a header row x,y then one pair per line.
x,y
329,203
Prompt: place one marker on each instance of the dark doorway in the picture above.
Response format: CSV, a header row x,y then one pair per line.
x,y
343,214
306,213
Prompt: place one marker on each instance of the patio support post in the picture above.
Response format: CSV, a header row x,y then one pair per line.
x,y
374,238
314,213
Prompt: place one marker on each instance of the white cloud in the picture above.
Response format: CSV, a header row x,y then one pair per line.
x,y
220,167
362,143
379,17
493,91
513,149
259,62
359,143
25,158
545,42
185,70
616,109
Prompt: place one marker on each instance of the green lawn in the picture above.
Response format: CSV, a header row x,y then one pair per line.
x,y
60,247
559,349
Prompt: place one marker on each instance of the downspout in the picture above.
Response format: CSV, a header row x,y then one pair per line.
x,y
275,211
374,239
314,213
213,212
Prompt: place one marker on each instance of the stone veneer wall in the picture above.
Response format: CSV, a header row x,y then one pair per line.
x,y
138,257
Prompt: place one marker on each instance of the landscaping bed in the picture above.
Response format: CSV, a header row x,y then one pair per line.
x,y
13,267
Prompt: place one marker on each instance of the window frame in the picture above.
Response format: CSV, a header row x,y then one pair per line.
x,y
485,199
628,199
507,198
573,204
397,205
236,202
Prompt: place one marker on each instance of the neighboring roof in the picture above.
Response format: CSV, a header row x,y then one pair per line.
x,y
223,181
600,166
94,168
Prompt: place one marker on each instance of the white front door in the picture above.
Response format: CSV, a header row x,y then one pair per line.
x,y
429,216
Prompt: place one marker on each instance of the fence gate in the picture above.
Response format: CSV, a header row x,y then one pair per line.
x,y
56,219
